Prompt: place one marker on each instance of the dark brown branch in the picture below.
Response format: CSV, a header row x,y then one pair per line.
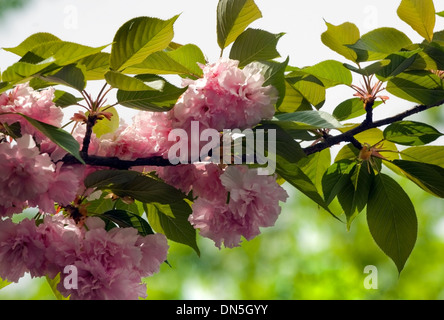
x,y
365,125
328,142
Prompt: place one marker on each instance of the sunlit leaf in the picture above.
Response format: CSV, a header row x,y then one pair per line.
x,y
184,60
233,17
105,126
255,45
351,108
331,73
32,41
151,100
138,38
420,15
426,154
379,43
337,37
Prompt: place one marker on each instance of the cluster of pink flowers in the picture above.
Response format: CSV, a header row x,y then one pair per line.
x,y
231,201
108,264
37,105
227,97
28,175
30,178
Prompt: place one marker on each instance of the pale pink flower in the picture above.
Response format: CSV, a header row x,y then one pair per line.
x,y
37,105
25,174
250,201
111,263
146,136
227,97
21,250
62,239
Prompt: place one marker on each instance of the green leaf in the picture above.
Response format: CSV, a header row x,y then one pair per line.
x,y
420,15
151,100
183,60
298,179
62,53
311,88
331,73
104,204
172,221
426,154
392,219
311,120
441,14
21,71
96,65
274,75
125,219
286,146
5,86
351,108
428,177
315,165
233,17
371,136
254,45
138,38
379,43
293,100
13,130
71,75
64,99
336,177
126,83
399,62
4,283
32,41
369,70
421,87
53,285
57,135
337,37
353,196
105,126
136,185
436,53
411,133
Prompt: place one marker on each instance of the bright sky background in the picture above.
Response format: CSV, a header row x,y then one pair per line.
x,y
95,22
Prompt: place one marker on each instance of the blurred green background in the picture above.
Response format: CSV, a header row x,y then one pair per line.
x,y
307,255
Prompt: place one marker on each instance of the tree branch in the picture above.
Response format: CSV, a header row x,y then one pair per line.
x,y
328,142
365,125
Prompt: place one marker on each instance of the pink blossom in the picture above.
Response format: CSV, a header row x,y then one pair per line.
x,y
254,196
62,239
111,263
250,201
146,136
227,97
20,250
25,174
37,105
